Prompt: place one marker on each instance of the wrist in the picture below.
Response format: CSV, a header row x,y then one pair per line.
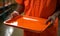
x,y
56,14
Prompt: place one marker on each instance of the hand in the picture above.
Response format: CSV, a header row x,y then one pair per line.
x,y
14,14
51,19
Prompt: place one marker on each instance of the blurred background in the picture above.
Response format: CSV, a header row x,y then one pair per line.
x,y
6,8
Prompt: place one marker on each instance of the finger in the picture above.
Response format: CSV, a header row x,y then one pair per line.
x,y
51,23
15,14
49,19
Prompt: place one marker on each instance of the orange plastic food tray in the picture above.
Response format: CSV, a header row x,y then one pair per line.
x,y
28,22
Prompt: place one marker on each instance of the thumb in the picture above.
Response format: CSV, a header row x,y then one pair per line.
x,y
48,20
51,24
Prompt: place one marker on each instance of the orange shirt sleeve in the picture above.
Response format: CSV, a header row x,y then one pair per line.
x,y
20,2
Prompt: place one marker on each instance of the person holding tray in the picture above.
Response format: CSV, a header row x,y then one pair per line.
x,y
48,9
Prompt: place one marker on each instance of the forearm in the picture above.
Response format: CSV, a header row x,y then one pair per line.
x,y
57,13
19,9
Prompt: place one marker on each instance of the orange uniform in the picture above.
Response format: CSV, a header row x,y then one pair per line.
x,y
40,8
